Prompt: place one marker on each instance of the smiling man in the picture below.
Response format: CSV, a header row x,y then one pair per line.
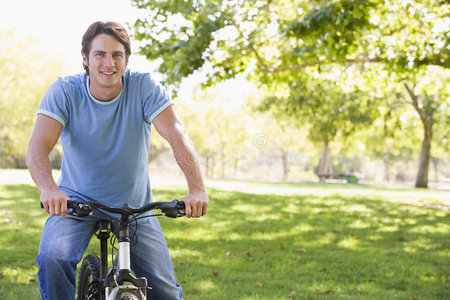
x,y
103,118
105,69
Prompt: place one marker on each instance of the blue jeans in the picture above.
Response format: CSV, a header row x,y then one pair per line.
x,y
65,239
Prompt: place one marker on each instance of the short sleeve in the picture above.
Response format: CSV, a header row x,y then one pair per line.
x,y
155,98
54,103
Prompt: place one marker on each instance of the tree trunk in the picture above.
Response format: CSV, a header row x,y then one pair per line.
x,y
213,165
209,164
427,122
235,165
424,159
284,158
387,166
325,166
222,160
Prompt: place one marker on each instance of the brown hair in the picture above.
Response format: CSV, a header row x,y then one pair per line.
x,y
110,28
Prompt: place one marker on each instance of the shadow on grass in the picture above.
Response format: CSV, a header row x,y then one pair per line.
x,y
308,247
339,246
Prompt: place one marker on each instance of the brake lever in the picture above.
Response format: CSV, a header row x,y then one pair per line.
x,y
173,209
79,209
181,208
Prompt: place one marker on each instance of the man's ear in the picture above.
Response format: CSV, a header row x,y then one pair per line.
x,y
85,59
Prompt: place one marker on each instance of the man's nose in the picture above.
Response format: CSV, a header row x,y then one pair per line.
x,y
109,61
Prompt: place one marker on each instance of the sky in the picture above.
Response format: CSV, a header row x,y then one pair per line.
x,y
60,24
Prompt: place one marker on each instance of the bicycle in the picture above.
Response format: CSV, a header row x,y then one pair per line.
x,y
118,283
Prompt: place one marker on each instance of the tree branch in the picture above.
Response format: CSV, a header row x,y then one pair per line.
x,y
252,48
304,65
415,103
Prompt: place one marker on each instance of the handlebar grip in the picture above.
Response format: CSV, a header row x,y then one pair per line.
x,y
69,204
77,209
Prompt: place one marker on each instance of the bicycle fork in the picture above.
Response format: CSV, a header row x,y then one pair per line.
x,y
119,279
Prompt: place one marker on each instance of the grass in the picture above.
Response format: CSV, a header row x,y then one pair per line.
x,y
281,241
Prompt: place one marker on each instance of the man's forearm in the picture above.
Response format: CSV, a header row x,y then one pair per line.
x,y
171,128
188,160
40,169
197,199
44,138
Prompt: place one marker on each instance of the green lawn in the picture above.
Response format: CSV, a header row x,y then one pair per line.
x,y
278,241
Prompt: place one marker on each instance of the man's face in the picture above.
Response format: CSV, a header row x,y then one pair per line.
x,y
106,63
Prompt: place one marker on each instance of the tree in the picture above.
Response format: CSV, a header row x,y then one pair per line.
x,y
428,98
332,104
216,122
273,42
26,73
408,38
386,139
275,39
282,138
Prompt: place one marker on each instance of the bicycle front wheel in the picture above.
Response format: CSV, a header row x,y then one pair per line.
x,y
89,275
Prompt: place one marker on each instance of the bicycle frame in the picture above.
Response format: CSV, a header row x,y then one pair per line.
x,y
119,279
114,282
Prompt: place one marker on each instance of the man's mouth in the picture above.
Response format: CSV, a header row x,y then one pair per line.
x,y
108,73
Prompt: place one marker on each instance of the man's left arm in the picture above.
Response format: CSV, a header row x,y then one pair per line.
x,y
171,129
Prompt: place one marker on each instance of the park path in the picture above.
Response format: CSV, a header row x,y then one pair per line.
x,y
8,176
12,176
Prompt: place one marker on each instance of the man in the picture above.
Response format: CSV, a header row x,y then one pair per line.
x,y
103,119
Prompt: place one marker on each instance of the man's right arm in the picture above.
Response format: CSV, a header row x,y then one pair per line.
x,y
45,135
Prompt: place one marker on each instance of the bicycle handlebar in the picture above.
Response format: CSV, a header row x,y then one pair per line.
x,y
171,209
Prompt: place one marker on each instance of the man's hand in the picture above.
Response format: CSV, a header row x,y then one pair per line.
x,y
45,135
54,201
196,204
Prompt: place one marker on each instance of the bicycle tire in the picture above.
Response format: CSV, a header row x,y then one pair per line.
x,y
129,297
89,273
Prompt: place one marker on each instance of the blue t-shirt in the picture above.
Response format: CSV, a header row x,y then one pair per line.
x,y
105,144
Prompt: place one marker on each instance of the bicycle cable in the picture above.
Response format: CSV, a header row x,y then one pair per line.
x,y
133,230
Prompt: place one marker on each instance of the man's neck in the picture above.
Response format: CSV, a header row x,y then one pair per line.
x,y
104,94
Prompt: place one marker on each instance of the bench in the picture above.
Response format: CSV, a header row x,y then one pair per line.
x,y
349,178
